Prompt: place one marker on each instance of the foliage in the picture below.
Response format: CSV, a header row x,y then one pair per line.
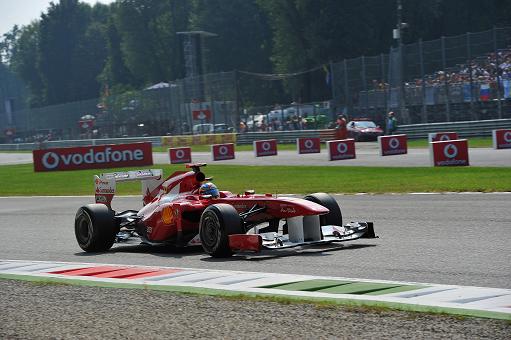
x,y
74,50
7,44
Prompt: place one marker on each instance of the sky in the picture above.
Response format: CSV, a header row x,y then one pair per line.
x,y
22,12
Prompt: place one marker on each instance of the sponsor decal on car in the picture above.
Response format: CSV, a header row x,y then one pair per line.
x,y
102,199
167,215
287,209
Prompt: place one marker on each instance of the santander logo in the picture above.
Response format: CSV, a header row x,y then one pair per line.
x,y
52,160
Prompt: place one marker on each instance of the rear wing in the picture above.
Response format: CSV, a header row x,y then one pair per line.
x,y
105,184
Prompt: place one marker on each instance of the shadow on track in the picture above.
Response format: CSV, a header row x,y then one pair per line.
x,y
265,254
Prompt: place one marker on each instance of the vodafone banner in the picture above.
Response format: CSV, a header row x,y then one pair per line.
x,y
264,148
341,149
180,155
93,157
308,145
501,139
441,136
222,152
393,145
449,153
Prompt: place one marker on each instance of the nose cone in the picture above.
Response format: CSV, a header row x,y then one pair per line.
x,y
301,207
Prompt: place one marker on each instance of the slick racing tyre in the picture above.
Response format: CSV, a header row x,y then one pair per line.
x,y
334,217
95,228
217,222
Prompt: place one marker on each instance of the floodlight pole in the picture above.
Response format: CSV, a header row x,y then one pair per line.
x,y
399,37
193,51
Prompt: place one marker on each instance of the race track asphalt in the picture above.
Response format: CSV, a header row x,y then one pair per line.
x,y
461,239
367,155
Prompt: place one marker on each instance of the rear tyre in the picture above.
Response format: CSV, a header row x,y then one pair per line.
x,y
95,228
217,222
334,217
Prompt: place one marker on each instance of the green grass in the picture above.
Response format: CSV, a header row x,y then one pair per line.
x,y
207,148
20,180
473,142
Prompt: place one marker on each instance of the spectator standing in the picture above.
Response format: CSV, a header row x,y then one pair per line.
x,y
243,127
341,130
391,123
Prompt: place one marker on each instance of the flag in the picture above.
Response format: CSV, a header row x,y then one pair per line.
x,y
484,92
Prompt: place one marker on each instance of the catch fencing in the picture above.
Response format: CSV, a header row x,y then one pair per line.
x,y
448,79
162,109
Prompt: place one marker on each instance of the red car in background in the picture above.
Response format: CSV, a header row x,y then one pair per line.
x,y
364,130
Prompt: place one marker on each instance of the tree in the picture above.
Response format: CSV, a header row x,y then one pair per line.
x,y
7,44
24,62
63,59
115,74
243,42
150,47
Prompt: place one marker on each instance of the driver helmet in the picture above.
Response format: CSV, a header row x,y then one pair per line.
x,y
209,188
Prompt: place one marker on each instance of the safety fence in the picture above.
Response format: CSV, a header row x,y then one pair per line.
x,y
165,108
463,129
286,136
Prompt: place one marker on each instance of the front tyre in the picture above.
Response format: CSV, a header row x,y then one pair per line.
x,y
217,222
334,217
95,228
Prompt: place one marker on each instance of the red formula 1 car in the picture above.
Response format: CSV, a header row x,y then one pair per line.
x,y
176,212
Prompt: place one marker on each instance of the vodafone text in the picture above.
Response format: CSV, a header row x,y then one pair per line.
x,y
52,160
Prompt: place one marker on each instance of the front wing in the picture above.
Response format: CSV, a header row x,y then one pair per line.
x,y
330,233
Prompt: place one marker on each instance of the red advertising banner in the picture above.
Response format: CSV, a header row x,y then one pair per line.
x,y
180,155
308,145
222,152
264,148
449,153
441,136
393,145
501,139
341,149
93,157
